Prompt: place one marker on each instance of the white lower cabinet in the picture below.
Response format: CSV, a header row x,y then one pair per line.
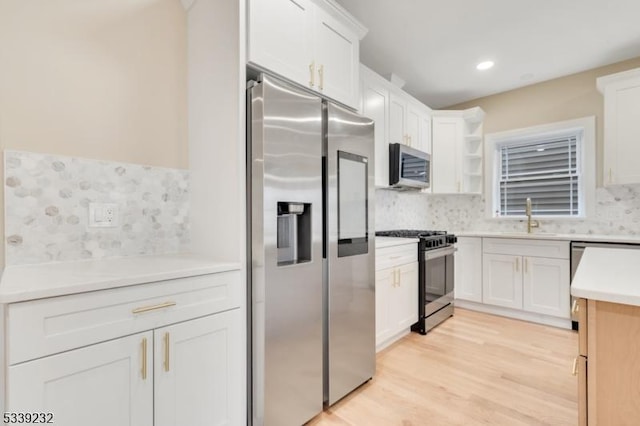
x,y
100,385
502,280
468,269
193,362
545,285
529,275
181,364
396,293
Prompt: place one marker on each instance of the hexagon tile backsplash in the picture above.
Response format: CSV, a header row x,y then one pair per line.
x,y
616,212
47,199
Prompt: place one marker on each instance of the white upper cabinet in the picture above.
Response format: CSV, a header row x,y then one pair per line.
x,y
315,44
446,158
457,151
337,59
409,122
621,130
375,105
289,50
398,119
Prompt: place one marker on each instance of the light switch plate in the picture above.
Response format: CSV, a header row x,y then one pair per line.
x,y
103,215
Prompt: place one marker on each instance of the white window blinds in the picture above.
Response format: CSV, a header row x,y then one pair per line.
x,y
546,170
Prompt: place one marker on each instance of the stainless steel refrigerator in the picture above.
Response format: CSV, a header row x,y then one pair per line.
x,y
311,248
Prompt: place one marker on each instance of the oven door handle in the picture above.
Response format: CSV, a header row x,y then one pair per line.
x,y
433,254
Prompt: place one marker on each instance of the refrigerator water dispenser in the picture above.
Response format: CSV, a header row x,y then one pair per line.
x,y
294,233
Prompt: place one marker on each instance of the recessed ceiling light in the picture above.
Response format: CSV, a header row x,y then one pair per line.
x,y
484,65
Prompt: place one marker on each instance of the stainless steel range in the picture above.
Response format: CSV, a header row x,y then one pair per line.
x,y
435,287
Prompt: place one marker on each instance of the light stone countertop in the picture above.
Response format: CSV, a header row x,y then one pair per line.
x,y
28,282
631,239
608,275
382,242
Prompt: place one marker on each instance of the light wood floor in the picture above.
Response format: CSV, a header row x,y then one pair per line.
x,y
474,369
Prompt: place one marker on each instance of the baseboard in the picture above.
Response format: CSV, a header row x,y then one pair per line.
x,y
391,340
513,313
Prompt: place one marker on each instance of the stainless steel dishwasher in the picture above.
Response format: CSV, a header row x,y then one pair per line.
x,y
577,249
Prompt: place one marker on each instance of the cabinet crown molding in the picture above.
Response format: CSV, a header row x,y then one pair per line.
x,y
339,12
604,81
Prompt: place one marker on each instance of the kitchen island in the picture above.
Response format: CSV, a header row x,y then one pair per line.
x,y
608,367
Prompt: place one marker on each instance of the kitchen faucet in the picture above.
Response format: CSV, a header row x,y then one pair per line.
x,y
530,223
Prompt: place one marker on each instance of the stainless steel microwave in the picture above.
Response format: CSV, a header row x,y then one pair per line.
x,y
408,167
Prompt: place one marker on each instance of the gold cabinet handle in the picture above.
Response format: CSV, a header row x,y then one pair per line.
x,y
144,358
166,351
575,307
399,278
321,75
394,257
518,265
574,370
312,74
153,308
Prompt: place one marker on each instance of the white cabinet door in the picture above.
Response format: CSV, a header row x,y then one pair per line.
x,y
281,38
445,159
425,132
397,119
468,269
546,286
621,132
502,280
414,115
384,287
198,372
337,58
98,385
405,298
375,105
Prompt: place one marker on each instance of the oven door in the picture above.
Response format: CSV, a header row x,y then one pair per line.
x,y
438,278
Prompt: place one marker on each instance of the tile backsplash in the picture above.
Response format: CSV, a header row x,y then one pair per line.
x,y
617,212
46,208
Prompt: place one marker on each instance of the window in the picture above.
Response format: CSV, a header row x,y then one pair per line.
x,y
546,164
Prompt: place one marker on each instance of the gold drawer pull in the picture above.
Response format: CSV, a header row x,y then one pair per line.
x,y
575,307
394,257
153,308
144,359
574,370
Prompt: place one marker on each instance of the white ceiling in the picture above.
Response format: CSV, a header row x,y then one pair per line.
x,y
435,45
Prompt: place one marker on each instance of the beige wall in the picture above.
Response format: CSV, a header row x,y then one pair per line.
x,y
100,79
561,99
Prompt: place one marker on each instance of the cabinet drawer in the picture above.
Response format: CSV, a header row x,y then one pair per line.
x,y
524,247
389,257
43,327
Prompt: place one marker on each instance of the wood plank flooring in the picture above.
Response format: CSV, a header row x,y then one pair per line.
x,y
474,369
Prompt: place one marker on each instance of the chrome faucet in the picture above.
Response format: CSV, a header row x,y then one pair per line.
x,y
530,223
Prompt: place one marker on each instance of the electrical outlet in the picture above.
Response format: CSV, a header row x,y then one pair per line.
x,y
103,215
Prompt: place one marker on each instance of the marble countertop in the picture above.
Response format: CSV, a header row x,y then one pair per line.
x,y
632,239
608,275
27,282
382,242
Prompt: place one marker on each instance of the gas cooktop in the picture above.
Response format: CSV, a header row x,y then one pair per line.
x,y
428,239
